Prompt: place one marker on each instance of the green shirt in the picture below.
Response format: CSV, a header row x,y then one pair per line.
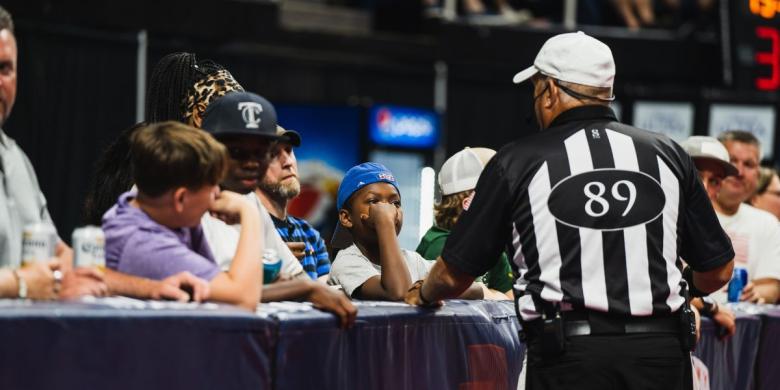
x,y
499,277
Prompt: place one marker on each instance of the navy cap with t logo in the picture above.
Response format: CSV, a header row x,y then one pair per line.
x,y
242,114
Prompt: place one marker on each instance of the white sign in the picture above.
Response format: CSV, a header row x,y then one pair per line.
x,y
759,120
672,119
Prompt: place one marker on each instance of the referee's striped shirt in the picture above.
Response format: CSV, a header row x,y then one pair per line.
x,y
595,214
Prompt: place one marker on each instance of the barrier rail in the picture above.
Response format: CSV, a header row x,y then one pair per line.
x,y
122,343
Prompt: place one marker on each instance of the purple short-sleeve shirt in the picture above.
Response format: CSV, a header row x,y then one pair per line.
x,y
137,245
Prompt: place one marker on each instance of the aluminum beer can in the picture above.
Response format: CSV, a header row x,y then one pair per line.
x,y
89,245
39,241
739,279
272,265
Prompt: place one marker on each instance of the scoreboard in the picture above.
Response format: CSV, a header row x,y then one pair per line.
x,y
756,44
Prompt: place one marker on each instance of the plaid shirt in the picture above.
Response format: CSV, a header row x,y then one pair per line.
x,y
315,262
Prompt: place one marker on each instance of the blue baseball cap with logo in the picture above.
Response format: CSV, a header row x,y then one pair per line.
x,y
360,176
241,113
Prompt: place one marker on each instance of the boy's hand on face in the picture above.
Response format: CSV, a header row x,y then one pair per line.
x,y
381,213
228,207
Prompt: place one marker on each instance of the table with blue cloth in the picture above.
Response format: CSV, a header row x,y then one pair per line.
x,y
730,361
120,343
767,369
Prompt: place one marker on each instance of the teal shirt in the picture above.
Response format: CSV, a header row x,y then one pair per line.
x,y
499,278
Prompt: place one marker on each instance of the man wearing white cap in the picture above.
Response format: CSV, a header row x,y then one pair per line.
x,y
595,215
712,162
754,233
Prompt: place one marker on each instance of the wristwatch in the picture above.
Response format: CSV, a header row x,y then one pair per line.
x,y
22,292
709,306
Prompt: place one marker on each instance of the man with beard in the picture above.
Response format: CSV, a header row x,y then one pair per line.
x,y
246,124
753,232
281,184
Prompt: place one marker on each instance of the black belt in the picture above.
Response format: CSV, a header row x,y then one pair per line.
x,y
583,328
584,323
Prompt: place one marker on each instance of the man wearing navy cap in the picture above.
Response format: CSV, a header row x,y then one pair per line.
x,y
246,124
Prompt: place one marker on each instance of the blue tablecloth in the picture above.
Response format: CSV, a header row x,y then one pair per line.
x,y
132,345
393,346
768,367
119,343
731,361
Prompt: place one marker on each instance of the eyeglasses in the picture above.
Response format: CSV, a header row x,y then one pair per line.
x,y
581,96
244,154
572,93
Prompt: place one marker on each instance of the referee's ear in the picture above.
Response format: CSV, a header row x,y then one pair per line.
x,y
552,98
345,219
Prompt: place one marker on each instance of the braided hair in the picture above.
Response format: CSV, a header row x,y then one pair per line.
x,y
171,82
111,177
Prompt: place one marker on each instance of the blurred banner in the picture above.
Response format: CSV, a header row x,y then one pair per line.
x,y
330,145
759,120
403,139
670,118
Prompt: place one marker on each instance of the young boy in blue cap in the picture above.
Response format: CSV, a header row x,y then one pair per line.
x,y
375,267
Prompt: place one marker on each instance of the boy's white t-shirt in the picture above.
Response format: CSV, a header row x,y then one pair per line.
x,y
351,268
223,239
755,236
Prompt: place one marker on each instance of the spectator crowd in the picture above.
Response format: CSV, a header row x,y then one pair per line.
x,y
192,201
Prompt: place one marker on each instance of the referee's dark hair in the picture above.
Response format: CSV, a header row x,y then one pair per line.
x,y
742,136
172,78
6,21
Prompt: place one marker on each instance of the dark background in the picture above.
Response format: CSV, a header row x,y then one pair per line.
x,y
77,74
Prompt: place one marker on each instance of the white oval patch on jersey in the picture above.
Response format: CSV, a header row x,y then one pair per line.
x,y
607,199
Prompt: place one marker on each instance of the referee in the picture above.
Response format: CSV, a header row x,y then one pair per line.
x,y
596,216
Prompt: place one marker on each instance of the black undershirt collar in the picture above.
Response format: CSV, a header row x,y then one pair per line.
x,y
583,113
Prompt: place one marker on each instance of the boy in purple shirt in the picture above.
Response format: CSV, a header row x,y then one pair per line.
x,y
155,231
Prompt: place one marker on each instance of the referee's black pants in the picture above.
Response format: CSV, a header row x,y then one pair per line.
x,y
610,362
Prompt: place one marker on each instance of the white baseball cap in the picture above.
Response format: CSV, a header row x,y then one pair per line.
x,y
573,57
708,148
461,171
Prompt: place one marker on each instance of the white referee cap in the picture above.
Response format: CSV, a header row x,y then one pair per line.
x,y
573,57
461,171
702,148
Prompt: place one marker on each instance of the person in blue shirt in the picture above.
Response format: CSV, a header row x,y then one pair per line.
x,y
281,184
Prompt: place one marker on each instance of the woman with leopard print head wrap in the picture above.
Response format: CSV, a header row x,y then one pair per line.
x,y
181,87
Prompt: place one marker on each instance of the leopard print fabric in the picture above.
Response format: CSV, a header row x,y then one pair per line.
x,y
205,91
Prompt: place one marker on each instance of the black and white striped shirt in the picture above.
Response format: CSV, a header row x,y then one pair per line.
x,y
596,214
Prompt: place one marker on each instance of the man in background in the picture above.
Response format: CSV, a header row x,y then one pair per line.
x,y
754,233
276,189
22,203
712,161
